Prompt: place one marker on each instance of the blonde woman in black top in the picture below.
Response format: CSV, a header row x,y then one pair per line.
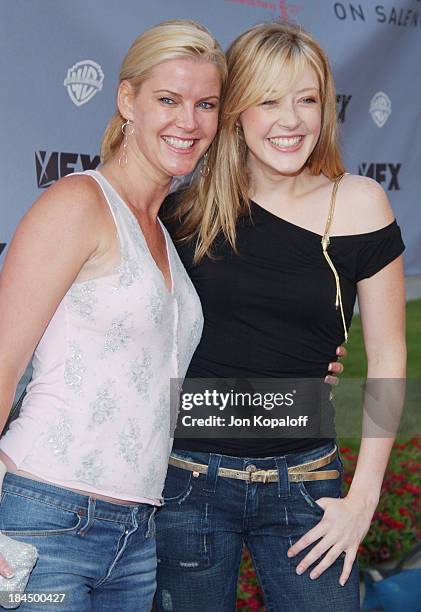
x,y
277,267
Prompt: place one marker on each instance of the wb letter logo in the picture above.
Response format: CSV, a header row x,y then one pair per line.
x,y
83,81
380,108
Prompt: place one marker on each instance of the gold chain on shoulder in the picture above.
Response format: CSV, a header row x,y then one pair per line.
x,y
325,245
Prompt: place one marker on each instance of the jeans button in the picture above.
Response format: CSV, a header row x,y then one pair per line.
x,y
251,468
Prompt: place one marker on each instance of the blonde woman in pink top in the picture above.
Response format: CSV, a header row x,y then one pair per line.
x,y
93,286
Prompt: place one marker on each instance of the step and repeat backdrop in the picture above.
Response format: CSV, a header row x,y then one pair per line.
x,y
59,63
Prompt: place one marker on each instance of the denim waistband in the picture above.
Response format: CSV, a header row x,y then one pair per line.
x,y
240,463
59,497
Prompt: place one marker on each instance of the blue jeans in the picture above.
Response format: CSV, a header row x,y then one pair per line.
x,y
101,555
207,518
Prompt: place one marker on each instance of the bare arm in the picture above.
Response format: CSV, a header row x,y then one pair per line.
x,y
60,236
384,339
52,243
382,306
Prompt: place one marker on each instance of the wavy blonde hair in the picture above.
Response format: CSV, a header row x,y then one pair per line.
x,y
212,205
177,38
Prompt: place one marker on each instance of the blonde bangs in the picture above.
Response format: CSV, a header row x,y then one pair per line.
x,y
279,76
285,67
257,71
167,41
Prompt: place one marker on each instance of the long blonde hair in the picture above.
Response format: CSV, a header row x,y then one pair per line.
x,y
212,204
177,38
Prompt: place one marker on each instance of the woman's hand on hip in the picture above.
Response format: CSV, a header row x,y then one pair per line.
x,y
342,528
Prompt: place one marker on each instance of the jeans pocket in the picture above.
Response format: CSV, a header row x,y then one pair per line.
x,y
311,490
26,516
178,485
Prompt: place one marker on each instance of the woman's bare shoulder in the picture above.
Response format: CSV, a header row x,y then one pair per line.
x,y
70,212
362,205
74,196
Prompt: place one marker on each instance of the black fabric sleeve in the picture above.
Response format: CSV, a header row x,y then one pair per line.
x,y
378,249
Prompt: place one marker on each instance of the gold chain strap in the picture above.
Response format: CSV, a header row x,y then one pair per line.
x,y
325,244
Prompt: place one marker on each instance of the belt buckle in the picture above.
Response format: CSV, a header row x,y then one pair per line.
x,y
258,476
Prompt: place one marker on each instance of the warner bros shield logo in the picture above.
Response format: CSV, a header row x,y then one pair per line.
x,y
83,81
380,108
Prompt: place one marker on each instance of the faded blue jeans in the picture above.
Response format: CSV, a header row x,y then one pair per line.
x,y
206,520
101,555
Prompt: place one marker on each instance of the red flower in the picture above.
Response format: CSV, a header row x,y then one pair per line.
x,y
400,490
399,477
345,449
399,525
351,457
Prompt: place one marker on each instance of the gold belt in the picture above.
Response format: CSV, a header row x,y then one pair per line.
x,y
296,473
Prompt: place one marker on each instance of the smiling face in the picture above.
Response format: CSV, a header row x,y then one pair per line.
x,y
175,115
281,134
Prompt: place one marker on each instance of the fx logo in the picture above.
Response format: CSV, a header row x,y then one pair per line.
x,y
2,247
382,173
53,166
342,102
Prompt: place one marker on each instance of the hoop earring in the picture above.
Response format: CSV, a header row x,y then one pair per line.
x,y
204,169
127,129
